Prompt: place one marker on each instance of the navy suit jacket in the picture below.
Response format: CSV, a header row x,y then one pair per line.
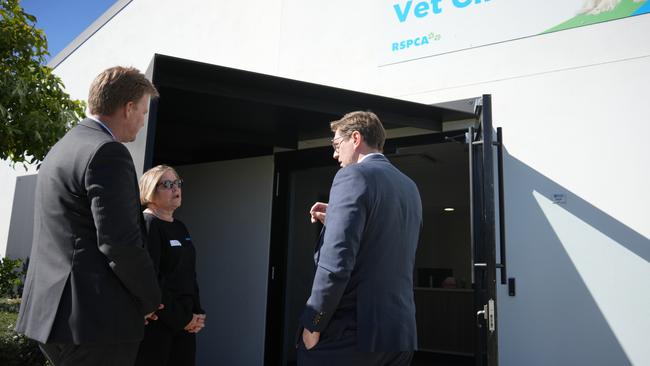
x,y
90,279
365,263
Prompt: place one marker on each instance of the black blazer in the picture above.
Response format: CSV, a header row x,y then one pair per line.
x,y
90,279
174,258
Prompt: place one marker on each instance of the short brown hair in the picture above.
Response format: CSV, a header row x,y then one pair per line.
x,y
117,86
368,125
149,181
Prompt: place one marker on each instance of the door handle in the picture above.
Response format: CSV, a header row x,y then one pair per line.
x,y
488,316
481,314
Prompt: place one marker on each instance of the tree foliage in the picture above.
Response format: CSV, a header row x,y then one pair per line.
x,y
16,349
12,277
35,112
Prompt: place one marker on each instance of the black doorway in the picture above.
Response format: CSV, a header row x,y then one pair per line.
x,y
442,277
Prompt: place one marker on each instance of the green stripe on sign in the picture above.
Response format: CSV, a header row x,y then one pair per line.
x,y
622,10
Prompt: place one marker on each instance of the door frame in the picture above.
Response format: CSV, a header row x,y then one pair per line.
x,y
483,231
287,162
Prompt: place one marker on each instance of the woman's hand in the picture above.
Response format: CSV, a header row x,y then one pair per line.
x,y
196,324
152,315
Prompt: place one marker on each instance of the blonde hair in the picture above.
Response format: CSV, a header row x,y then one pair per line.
x,y
149,181
366,123
117,86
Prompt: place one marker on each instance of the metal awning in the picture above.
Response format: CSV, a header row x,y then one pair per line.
x,y
209,113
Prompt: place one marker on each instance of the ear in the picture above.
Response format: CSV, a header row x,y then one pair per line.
x,y
129,108
357,139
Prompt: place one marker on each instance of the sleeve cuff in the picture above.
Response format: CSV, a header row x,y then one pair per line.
x,y
312,320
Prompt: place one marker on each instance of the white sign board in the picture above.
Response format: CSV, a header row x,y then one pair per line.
x,y
411,29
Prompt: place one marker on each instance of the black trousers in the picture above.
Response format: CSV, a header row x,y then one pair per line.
x,y
162,346
120,354
342,351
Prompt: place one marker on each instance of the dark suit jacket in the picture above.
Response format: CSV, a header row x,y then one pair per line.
x,y
90,279
364,266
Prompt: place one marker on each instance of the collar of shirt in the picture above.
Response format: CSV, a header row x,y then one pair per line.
x,y
102,125
364,158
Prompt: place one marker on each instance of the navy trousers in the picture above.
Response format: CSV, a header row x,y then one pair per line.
x,y
341,350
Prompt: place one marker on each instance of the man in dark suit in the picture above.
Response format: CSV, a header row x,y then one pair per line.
x,y
361,310
90,280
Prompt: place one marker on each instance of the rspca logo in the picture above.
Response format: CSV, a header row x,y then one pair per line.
x,y
418,41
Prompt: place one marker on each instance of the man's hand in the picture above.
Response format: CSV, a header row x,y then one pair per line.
x,y
196,324
152,315
310,339
318,212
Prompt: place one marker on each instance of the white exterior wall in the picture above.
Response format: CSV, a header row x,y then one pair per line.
x,y
573,107
9,179
7,188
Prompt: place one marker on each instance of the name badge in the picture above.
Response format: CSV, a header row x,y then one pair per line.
x,y
175,243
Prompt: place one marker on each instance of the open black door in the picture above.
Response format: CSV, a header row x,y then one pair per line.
x,y
482,211
309,172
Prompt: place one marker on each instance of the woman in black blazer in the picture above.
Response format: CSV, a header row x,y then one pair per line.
x,y
172,339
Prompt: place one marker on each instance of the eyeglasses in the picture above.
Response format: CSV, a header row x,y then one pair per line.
x,y
169,184
336,143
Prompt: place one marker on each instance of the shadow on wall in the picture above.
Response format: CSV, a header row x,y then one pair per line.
x,y
21,226
580,279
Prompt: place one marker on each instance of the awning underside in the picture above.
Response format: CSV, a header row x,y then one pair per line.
x,y
211,113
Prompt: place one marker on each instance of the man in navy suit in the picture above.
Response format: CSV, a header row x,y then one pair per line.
x,y
361,310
